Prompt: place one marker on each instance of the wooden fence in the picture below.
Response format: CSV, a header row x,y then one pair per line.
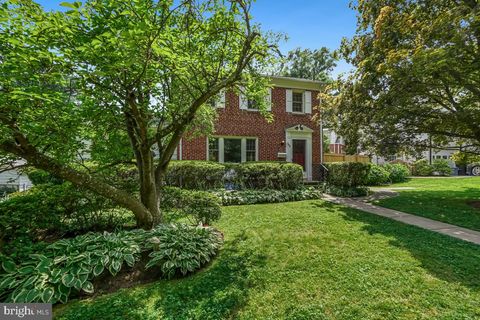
x,y
335,157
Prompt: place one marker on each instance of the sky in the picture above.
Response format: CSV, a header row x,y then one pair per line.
x,y
307,23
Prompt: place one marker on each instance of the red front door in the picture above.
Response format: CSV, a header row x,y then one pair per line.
x,y
298,152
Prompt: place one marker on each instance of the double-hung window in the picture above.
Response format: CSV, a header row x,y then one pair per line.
x,y
251,150
297,102
213,150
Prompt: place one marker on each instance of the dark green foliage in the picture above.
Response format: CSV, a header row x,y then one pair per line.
x,y
346,192
397,172
69,266
441,167
388,173
180,248
240,197
348,174
347,179
422,168
199,175
205,175
202,206
52,210
268,175
378,175
309,64
38,176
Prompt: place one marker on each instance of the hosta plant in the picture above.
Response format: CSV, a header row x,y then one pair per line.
x,y
69,266
242,197
182,248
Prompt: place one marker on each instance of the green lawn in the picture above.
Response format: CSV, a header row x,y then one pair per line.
x,y
443,199
311,260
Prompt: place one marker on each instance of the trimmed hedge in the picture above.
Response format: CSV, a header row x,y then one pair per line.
x,y
348,174
195,175
268,175
205,175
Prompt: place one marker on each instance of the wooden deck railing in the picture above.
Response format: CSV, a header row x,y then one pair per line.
x,y
336,157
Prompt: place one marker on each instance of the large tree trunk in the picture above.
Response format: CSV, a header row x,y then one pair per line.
x,y
149,194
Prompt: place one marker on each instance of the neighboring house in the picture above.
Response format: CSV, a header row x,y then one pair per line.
x,y
336,142
13,180
243,134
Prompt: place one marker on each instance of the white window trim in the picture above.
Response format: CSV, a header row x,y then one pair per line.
x,y
306,101
302,92
221,147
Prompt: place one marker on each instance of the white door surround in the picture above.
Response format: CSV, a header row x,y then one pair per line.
x,y
300,132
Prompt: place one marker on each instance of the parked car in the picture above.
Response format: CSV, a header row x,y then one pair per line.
x,y
473,169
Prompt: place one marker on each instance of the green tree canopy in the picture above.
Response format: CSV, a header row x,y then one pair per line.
x,y
309,64
417,76
117,80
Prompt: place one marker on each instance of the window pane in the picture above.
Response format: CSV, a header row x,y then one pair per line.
x,y
297,105
252,104
213,149
232,150
251,150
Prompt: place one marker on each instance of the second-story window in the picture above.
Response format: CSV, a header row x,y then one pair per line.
x,y
252,105
297,101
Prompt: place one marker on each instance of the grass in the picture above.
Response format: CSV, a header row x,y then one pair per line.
x,y
310,260
442,199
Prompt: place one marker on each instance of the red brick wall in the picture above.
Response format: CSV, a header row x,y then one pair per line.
x,y
233,121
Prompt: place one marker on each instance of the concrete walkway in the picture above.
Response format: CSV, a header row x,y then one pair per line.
x,y
429,224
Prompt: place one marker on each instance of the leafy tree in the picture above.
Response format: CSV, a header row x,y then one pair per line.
x,y
417,76
309,64
112,81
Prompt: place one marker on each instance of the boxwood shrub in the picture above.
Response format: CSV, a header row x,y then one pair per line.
x,y
378,175
422,168
268,175
397,172
348,174
441,167
192,174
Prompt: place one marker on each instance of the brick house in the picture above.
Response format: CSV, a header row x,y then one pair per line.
x,y
243,134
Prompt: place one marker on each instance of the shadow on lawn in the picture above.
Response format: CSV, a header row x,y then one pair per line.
x,y
217,292
451,206
443,257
